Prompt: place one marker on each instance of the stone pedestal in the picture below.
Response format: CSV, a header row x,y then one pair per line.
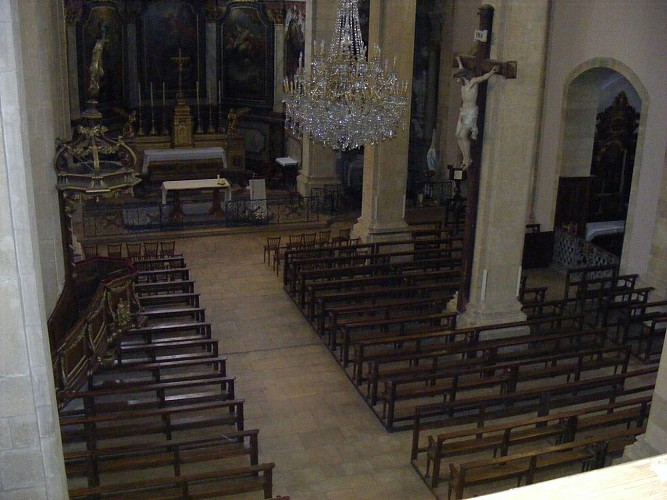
x,y
317,167
182,125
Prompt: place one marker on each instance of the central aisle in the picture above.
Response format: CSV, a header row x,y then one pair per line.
x,y
324,439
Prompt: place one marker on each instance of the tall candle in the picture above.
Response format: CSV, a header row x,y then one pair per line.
x,y
139,87
197,89
164,102
219,93
210,93
151,94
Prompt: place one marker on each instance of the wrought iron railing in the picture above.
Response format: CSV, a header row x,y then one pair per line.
x,y
100,220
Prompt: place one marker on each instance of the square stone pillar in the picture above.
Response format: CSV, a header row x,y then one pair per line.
x,y
317,167
508,154
386,164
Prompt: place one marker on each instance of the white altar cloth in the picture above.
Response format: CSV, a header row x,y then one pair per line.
x,y
194,184
595,229
175,154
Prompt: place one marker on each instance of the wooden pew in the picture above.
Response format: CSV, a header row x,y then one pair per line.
x,y
652,329
150,395
148,372
159,263
157,275
636,313
175,453
223,414
577,277
168,331
354,331
164,287
193,313
499,438
591,453
167,351
187,298
212,484
450,383
541,400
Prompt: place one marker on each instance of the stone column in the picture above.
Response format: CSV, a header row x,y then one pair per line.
x,y
385,164
510,141
317,164
32,110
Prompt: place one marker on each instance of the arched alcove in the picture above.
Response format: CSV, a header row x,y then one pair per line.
x,y
603,109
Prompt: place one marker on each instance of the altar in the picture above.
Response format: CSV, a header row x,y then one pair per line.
x,y
183,154
216,185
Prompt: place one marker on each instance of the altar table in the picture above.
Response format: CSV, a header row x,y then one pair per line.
x,y
216,185
595,229
176,154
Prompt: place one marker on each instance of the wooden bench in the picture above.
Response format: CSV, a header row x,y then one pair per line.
x,y
450,382
175,453
500,437
148,372
167,351
652,329
541,400
577,277
211,484
636,313
591,453
159,263
223,414
354,331
168,274
164,287
188,298
150,395
168,332
193,313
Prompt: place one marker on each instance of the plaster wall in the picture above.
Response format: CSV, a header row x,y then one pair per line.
x,y
628,37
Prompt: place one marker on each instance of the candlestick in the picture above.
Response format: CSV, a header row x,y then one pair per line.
x,y
219,94
153,131
140,130
164,103
197,91
200,129
151,94
165,131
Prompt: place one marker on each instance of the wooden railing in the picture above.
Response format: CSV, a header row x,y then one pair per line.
x,y
95,307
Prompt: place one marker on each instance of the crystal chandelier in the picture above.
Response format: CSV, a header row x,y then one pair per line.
x,y
345,101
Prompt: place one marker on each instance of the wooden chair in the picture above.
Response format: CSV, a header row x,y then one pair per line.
x,y
133,250
323,238
294,241
343,235
270,248
150,250
90,250
308,240
115,250
167,248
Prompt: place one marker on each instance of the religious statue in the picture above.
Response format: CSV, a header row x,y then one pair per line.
x,y
128,128
233,118
466,127
96,72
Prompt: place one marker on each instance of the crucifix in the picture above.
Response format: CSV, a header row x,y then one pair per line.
x,y
180,62
474,72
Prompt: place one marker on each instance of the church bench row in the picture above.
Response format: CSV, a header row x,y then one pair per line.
x,y
577,277
175,453
541,400
219,415
354,331
336,315
310,261
465,343
591,453
378,269
181,330
159,263
499,438
329,289
164,287
653,333
187,298
194,313
590,292
636,314
138,396
449,384
119,375
614,302
158,275
166,350
554,354
212,484
291,257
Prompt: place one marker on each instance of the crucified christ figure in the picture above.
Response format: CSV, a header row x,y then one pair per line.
x,y
466,128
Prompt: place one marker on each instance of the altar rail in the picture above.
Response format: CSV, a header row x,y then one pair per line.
x,y
94,308
100,220
573,251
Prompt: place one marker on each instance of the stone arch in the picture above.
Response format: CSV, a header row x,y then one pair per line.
x,y
582,91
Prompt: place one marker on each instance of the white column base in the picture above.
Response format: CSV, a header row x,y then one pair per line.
x,y
305,184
